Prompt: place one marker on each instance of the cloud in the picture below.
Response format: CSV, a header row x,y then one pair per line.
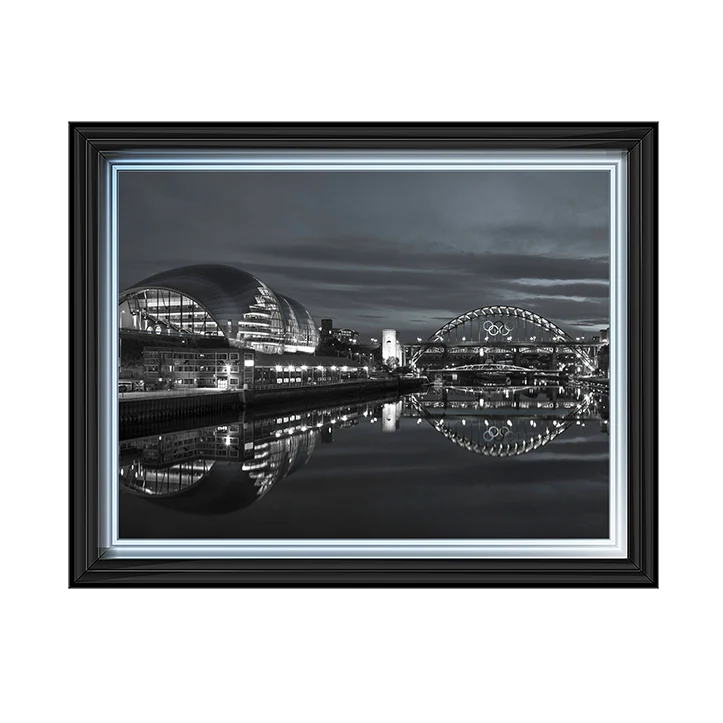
x,y
404,250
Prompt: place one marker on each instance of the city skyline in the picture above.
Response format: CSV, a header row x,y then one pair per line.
x,y
404,250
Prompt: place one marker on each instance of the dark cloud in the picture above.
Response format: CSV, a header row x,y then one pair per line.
x,y
371,250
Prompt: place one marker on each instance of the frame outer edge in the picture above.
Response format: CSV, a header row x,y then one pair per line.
x,y
87,567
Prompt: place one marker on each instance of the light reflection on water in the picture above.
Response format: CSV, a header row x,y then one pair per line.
x,y
226,469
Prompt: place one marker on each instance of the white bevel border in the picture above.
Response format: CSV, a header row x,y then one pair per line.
x,y
611,161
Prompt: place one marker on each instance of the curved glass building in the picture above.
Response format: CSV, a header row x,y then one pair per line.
x,y
212,300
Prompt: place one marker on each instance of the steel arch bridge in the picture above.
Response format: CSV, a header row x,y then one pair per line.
x,y
499,324
504,437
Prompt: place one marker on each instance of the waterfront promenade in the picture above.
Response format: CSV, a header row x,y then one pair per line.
x,y
136,407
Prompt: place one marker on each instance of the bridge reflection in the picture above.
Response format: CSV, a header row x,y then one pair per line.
x,y
507,422
222,468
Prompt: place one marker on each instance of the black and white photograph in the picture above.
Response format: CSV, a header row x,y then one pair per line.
x,y
364,355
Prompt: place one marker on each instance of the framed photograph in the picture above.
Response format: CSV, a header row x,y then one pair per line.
x,y
363,354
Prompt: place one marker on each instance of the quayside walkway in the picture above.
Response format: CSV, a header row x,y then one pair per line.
x,y
136,407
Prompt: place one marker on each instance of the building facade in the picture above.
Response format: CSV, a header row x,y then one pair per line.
x,y
327,327
218,302
347,336
181,368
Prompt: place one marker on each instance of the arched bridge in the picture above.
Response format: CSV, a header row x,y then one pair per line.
x,y
503,327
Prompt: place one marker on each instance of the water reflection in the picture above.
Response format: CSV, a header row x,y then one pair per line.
x,y
226,467
504,422
223,468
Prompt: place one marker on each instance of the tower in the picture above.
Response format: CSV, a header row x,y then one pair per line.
x,y
389,345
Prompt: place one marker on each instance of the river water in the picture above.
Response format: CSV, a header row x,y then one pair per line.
x,y
450,463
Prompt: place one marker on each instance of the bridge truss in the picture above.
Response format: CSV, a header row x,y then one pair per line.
x,y
495,324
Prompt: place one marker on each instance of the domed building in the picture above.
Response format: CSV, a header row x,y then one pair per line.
x,y
212,300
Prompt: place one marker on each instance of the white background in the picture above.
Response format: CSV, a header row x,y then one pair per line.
x,y
357,655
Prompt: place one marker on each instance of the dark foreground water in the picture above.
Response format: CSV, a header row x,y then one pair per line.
x,y
448,464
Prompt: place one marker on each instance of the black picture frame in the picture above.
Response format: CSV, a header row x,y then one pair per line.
x,y
89,146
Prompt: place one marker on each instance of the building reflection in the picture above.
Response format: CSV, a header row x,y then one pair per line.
x,y
222,468
391,414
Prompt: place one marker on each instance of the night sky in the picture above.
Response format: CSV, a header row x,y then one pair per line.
x,y
405,250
